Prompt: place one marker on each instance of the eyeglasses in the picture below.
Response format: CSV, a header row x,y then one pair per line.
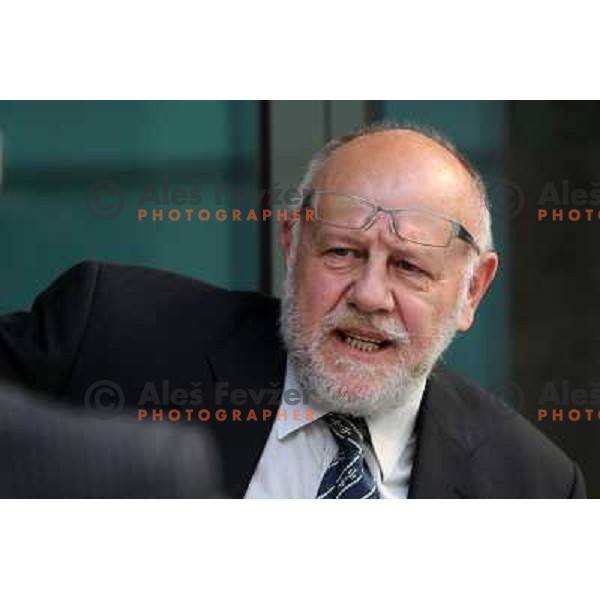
x,y
419,227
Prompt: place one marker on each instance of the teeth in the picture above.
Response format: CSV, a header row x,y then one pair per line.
x,y
362,344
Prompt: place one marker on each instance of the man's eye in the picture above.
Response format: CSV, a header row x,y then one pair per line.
x,y
408,267
342,252
340,257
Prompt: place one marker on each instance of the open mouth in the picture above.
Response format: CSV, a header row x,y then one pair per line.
x,y
363,341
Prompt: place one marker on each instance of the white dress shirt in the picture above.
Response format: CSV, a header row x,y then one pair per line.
x,y
299,450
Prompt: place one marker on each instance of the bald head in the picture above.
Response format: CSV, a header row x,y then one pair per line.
x,y
404,167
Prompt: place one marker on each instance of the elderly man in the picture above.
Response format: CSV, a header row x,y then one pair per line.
x,y
394,259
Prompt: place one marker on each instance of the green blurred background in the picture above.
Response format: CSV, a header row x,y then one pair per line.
x,y
54,152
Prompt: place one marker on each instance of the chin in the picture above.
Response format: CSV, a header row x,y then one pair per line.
x,y
361,401
347,386
369,374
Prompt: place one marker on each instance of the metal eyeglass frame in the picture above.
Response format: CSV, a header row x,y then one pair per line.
x,y
458,230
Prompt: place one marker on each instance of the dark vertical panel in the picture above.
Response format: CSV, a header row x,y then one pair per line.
x,y
556,331
373,111
265,183
327,120
242,186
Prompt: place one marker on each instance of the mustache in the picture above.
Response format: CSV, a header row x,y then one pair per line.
x,y
347,318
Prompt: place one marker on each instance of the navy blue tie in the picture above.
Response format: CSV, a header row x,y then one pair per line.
x,y
348,475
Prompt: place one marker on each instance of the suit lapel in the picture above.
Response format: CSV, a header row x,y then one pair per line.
x,y
249,370
444,442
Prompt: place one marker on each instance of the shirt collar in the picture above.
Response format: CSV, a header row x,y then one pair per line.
x,y
308,413
390,432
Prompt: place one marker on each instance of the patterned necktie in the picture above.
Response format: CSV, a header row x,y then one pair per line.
x,y
348,475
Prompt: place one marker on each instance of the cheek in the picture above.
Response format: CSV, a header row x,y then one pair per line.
x,y
317,292
415,314
420,312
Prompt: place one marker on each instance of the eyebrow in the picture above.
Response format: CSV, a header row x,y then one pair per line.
x,y
321,234
332,235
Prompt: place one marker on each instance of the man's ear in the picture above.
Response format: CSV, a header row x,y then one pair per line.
x,y
478,286
285,239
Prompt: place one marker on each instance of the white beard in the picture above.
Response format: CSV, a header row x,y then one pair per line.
x,y
376,389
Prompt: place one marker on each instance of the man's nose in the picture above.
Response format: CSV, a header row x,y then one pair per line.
x,y
372,290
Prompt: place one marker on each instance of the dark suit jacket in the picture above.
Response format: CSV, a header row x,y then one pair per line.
x,y
137,326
